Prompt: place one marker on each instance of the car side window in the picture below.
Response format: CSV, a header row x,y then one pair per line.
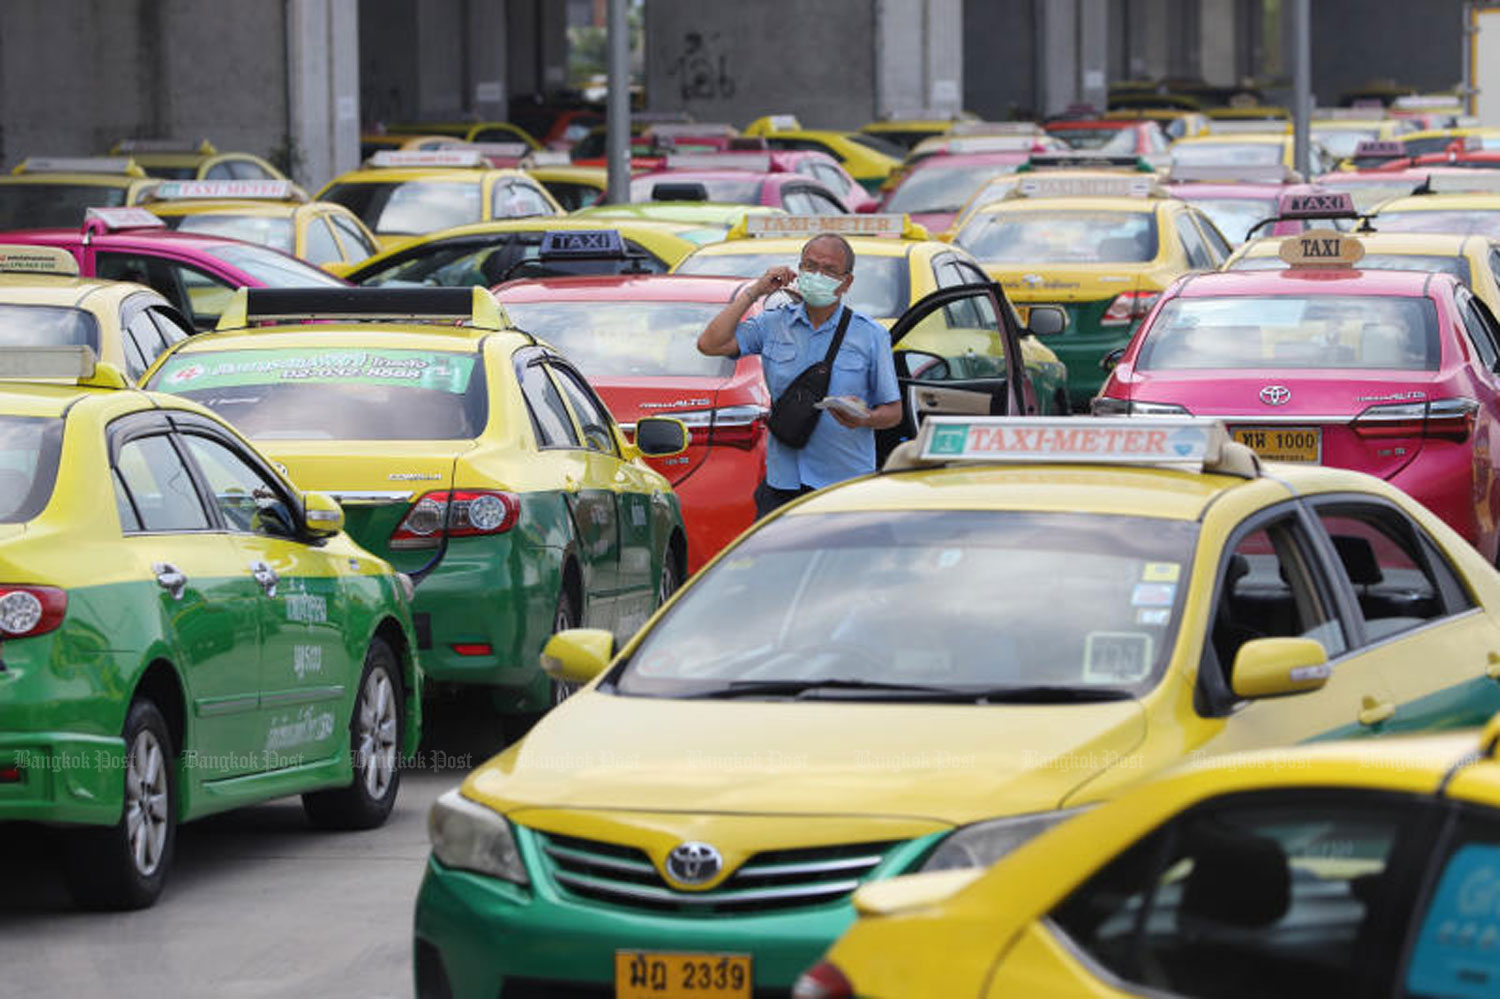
x,y
822,204
153,489
1270,894
512,199
593,417
357,245
828,175
1453,944
796,201
207,296
141,333
1217,244
549,414
1397,576
150,271
223,170
1495,264
249,170
322,248
247,499
1481,334
171,330
1192,243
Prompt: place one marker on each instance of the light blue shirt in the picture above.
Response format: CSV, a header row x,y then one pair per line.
x,y
788,344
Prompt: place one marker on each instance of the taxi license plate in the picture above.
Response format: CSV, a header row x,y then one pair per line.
x,y
644,974
1283,443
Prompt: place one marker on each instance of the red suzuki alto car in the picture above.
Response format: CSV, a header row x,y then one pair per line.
x,y
1388,372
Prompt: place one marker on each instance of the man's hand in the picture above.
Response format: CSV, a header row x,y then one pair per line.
x,y
774,279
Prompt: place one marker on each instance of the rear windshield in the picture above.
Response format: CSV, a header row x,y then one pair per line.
x,y
1228,153
1367,195
1104,140
495,259
273,269
880,288
47,326
1234,216
1460,222
44,206
273,232
335,393
1063,237
1432,263
728,190
626,339
411,207
1288,331
29,448
938,188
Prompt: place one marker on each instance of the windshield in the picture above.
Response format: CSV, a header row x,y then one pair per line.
x,y
1227,153
1432,263
1062,237
879,290
48,326
1103,140
1293,332
1235,216
1461,222
948,599
1341,142
29,449
881,145
273,232
731,190
626,339
45,206
272,269
411,207
307,393
936,188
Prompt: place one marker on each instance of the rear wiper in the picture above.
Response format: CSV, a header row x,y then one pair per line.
x,y
913,692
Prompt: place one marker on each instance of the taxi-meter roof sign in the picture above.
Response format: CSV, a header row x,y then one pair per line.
x,y
1132,440
111,219
1084,187
1380,149
1317,205
1321,248
886,224
397,159
582,243
24,363
248,190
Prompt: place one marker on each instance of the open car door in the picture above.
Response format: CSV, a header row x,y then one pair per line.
x,y
958,354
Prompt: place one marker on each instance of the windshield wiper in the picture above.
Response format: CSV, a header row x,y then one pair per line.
x,y
1050,694
797,688
876,690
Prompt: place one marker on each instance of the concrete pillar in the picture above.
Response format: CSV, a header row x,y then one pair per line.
x,y
440,51
1093,52
536,46
1156,27
1057,55
485,59
1216,40
919,56
322,59
944,78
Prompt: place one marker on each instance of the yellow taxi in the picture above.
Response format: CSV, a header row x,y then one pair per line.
x,y
868,158
573,186
400,195
274,213
1437,140
1341,130
908,129
179,160
55,191
1469,212
44,303
1177,123
468,131
1237,149
1048,610
1102,248
1348,869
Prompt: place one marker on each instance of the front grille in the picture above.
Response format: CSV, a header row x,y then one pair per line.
x,y
771,881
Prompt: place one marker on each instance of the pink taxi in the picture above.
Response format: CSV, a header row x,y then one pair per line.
x,y
1388,372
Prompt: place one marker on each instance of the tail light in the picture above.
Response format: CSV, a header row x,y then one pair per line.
x,y
729,426
30,610
823,980
1128,307
1439,419
468,512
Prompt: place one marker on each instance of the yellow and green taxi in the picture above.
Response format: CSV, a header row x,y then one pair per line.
x,y
895,266
468,453
921,669
44,303
1350,869
180,160
274,213
1472,212
55,191
1102,248
184,631
400,195
868,158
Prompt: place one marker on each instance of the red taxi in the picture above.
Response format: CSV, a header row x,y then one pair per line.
x,y
634,337
1392,373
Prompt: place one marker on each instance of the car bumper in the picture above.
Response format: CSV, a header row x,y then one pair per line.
x,y
65,777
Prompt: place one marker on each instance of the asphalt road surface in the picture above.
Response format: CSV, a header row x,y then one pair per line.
x,y
259,905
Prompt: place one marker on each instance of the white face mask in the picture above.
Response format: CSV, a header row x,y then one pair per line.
x,y
818,290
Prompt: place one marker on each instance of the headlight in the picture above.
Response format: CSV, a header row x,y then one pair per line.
x,y
983,843
469,836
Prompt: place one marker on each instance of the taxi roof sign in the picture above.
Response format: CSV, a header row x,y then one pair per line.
x,y
1076,159
1317,205
1316,248
876,224
242,190
546,158
113,219
394,305
591,243
203,146
28,363
758,162
1124,186
19,258
783,123
1380,149
80,164
408,158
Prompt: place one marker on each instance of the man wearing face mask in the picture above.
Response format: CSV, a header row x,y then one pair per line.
x,y
791,339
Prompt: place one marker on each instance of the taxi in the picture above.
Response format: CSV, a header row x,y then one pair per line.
x,y
467,131
41,192
1472,207
1103,249
869,159
934,190
1083,168
1140,137
185,631
906,129
1340,131
571,186
466,452
789,743
895,266
708,221
1242,201
1392,372
1239,149
1176,123
44,303
1278,872
1439,140
274,213
179,160
732,178
401,195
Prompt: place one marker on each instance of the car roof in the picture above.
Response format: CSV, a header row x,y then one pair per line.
x,y
612,288
1092,204
1439,202
36,289
453,175
1183,190
1310,281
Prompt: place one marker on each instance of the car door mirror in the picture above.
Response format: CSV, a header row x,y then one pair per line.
x,y
1110,360
322,515
1046,320
1271,667
661,436
921,365
577,655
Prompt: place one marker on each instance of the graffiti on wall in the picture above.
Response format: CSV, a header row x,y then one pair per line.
x,y
702,69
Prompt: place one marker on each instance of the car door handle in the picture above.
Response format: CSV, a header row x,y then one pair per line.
x,y
170,578
1373,712
265,576
1492,668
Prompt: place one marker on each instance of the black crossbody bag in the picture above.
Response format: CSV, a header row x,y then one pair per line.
x,y
794,415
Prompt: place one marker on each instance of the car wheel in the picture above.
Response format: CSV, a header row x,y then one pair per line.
x,y
375,745
125,865
564,618
668,583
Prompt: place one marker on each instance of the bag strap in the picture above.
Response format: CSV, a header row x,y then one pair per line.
x,y
838,336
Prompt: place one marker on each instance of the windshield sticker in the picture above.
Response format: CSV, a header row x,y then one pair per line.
x,y
1154,616
443,371
1458,950
1160,572
1153,595
1115,657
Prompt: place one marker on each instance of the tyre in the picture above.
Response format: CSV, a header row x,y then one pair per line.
x,y
375,745
566,617
125,866
667,585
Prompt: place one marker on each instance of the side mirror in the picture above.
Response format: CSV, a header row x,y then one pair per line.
x,y
1270,667
322,515
578,654
661,436
1110,360
920,364
1046,320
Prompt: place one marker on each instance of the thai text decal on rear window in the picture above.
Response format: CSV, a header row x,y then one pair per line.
x,y
435,370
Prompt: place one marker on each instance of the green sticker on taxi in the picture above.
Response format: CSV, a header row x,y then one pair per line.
x,y
439,370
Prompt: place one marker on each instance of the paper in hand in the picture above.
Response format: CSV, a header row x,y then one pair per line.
x,y
846,404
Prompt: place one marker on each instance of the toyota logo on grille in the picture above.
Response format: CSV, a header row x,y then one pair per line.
x,y
694,863
1275,395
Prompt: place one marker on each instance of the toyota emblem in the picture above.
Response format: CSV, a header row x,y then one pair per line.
x,y
694,863
1275,395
